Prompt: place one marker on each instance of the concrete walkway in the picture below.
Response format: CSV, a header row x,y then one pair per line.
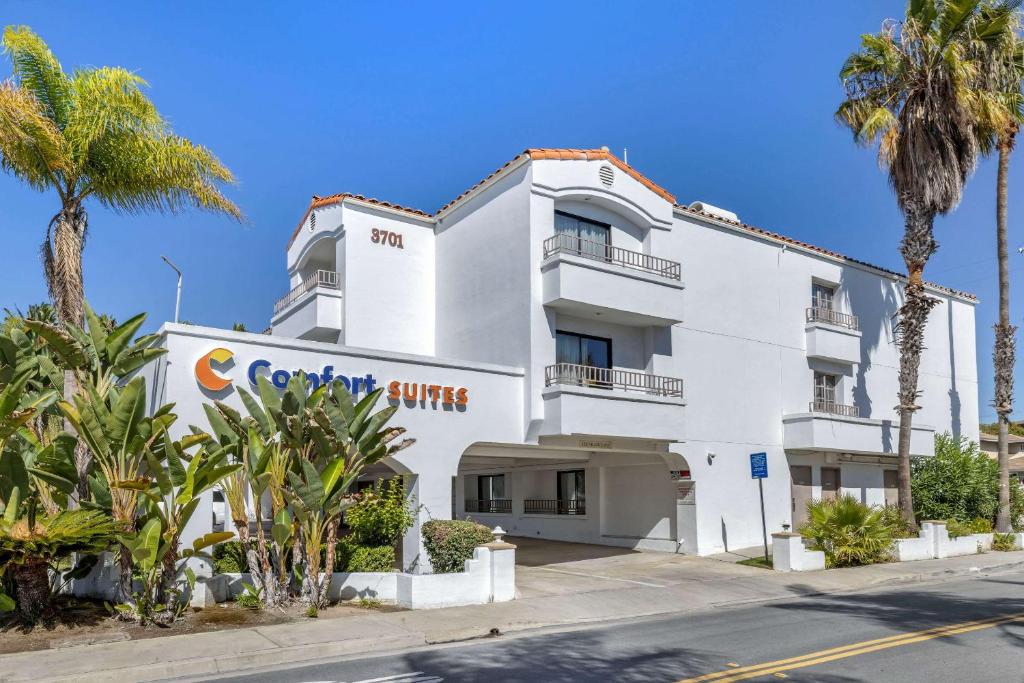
x,y
568,596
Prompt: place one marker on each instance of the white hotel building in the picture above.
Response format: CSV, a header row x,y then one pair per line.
x,y
582,358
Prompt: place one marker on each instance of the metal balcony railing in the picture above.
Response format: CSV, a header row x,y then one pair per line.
x,y
817,314
833,408
500,506
533,506
321,278
608,378
599,251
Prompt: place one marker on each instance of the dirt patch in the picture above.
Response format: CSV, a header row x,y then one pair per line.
x,y
87,622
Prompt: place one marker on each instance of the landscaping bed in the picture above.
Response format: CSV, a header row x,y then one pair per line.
x,y
84,622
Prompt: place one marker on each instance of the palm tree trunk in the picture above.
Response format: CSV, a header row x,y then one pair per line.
x,y
1004,350
62,265
32,588
917,247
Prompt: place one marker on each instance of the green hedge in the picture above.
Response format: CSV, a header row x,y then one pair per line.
x,y
450,542
229,558
354,557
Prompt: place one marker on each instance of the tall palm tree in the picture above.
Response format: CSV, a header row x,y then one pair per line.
x,y
93,134
1000,113
911,88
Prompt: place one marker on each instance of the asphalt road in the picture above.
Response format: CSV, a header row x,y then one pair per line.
x,y
963,630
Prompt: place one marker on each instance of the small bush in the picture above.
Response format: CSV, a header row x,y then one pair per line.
x,y
249,598
977,525
381,516
354,557
1004,542
892,516
229,558
450,542
849,532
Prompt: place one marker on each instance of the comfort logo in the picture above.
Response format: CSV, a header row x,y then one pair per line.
x,y
206,375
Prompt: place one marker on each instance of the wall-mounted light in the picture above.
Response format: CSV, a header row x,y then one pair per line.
x,y
711,457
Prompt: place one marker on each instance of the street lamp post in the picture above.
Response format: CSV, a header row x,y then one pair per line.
x,y
177,299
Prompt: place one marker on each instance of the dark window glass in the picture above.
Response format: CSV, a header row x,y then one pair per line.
x,y
581,349
592,238
490,486
572,492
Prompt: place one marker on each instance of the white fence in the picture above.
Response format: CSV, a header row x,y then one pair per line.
x,y
933,542
490,576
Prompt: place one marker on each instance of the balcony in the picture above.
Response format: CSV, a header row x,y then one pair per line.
x,y
496,506
535,506
584,400
582,277
311,310
830,427
832,335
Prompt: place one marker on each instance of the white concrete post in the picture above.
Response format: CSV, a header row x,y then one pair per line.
x,y
789,554
503,567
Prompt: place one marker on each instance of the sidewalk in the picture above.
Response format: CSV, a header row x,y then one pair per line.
x,y
702,585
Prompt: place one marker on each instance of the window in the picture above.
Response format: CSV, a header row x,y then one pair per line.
x,y
822,296
490,486
582,349
824,389
572,492
587,237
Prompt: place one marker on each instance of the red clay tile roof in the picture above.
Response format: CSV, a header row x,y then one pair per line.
x,y
540,153
318,202
834,254
569,155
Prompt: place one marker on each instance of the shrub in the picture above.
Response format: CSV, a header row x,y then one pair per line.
x,y
960,482
893,518
381,516
978,525
353,557
450,542
229,558
1004,542
849,532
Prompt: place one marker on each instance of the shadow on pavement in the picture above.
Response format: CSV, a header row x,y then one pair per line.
x,y
917,610
577,656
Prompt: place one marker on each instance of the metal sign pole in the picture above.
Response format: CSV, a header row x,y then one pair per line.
x,y
764,526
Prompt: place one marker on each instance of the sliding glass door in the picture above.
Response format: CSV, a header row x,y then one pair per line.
x,y
584,236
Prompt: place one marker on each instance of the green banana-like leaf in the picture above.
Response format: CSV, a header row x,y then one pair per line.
x,y
281,532
144,546
211,539
117,341
13,502
256,412
362,410
7,603
64,345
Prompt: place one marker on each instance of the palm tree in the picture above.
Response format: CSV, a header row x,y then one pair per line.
x,y
911,88
93,134
1000,112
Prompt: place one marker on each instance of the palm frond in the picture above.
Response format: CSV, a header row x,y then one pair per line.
x,y
31,146
38,71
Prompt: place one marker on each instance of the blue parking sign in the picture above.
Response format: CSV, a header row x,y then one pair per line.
x,y
758,465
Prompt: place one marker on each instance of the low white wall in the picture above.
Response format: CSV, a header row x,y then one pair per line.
x,y
933,542
488,577
790,555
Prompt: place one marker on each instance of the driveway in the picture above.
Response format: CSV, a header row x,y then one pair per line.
x,y
557,568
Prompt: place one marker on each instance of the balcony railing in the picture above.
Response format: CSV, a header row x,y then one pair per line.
x,y
608,378
498,506
832,317
533,506
599,251
833,408
321,278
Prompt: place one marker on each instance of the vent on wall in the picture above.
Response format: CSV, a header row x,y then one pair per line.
x,y
607,175
312,221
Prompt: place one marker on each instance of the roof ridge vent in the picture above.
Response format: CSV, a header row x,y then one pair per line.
x,y
711,210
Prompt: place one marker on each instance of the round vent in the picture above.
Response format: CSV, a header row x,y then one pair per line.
x,y
607,175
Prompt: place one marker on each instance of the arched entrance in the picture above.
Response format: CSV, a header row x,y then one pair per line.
x,y
626,493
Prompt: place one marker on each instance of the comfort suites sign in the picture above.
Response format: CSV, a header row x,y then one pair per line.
x,y
210,367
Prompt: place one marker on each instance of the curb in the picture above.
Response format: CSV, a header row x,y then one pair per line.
x,y
287,656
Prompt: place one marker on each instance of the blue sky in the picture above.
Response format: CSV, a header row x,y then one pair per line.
x,y
413,102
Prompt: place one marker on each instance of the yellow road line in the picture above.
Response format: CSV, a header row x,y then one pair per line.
x,y
851,650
